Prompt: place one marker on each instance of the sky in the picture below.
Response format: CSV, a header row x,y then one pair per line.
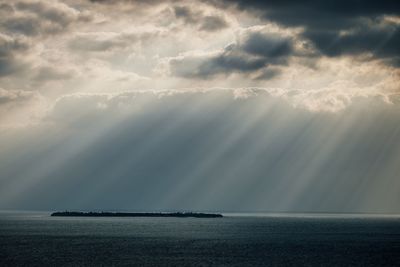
x,y
200,105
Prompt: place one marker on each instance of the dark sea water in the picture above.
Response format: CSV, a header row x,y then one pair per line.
x,y
36,239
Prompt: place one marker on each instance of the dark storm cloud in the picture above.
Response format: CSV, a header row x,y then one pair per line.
x,y
325,21
269,46
255,52
382,42
318,13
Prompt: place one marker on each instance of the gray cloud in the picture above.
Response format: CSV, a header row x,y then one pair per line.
x,y
213,23
107,41
186,14
59,14
208,66
204,22
10,49
268,74
6,8
27,25
40,18
49,73
144,2
14,96
255,52
99,43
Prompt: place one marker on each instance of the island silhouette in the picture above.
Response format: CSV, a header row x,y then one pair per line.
x,y
135,214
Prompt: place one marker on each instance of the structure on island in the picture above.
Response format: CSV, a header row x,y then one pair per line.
x,y
136,214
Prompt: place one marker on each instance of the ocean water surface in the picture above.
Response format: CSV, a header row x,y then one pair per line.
x,y
36,239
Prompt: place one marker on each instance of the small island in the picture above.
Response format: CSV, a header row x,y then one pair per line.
x,y
136,214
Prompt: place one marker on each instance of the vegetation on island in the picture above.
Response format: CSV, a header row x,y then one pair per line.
x,y
136,214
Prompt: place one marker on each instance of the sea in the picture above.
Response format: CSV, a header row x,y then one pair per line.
x,y
37,239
